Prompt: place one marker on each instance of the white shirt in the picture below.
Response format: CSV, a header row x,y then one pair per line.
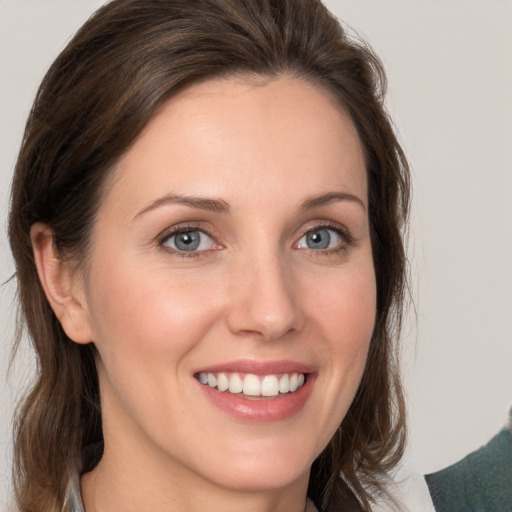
x,y
409,489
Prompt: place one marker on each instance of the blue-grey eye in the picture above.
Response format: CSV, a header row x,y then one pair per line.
x,y
189,241
321,238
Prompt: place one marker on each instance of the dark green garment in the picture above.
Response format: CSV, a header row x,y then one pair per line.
x,y
481,482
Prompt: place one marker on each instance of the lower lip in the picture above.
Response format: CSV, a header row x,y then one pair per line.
x,y
261,409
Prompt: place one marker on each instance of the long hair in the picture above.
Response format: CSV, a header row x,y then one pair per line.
x,y
102,90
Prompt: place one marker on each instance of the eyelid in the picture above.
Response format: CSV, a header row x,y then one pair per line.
x,y
168,233
327,224
347,240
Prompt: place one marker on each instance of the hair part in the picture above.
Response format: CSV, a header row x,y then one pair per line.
x,y
127,60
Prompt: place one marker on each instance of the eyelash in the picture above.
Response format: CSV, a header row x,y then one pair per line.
x,y
184,228
343,233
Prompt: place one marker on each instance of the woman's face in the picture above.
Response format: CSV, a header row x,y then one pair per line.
x,y
232,250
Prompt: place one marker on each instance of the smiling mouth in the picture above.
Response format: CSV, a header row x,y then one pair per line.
x,y
252,386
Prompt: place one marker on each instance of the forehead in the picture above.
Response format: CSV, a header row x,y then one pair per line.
x,y
227,136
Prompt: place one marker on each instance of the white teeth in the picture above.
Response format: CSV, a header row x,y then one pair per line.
x,y
269,386
235,384
253,385
222,382
284,384
294,382
212,380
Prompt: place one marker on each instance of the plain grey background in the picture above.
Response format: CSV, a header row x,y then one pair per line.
x,y
449,65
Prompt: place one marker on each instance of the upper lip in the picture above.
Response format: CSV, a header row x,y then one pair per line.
x,y
258,367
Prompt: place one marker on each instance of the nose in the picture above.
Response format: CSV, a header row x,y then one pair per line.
x,y
265,299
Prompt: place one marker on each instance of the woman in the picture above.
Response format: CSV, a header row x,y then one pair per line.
x,y
206,221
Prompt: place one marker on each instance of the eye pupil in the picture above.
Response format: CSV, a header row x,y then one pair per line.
x,y
318,239
188,241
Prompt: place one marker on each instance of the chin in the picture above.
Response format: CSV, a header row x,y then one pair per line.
x,y
262,477
268,466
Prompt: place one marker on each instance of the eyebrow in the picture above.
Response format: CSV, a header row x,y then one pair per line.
x,y
221,206
202,203
331,197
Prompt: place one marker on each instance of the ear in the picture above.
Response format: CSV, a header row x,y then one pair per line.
x,y
62,285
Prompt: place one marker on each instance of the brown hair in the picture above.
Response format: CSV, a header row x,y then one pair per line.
x,y
111,79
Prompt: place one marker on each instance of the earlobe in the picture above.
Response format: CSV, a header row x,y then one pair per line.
x,y
61,284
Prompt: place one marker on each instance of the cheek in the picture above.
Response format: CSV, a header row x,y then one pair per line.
x,y
147,316
148,327
346,309
344,314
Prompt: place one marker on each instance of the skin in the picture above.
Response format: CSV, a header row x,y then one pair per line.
x,y
256,292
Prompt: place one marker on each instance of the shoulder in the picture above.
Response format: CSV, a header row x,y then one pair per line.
x,y
482,481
